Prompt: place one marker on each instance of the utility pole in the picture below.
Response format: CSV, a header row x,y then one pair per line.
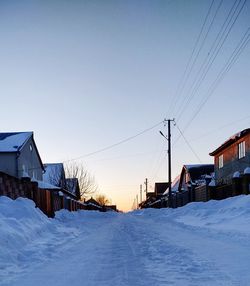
x,y
146,185
141,193
137,203
169,160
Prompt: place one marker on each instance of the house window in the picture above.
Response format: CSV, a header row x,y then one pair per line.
x,y
220,161
31,148
242,149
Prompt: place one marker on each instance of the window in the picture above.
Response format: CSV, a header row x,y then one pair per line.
x,y
31,148
242,149
220,161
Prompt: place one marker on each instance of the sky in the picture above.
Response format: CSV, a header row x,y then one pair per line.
x,y
84,75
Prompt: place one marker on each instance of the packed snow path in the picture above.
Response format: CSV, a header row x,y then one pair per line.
x,y
200,244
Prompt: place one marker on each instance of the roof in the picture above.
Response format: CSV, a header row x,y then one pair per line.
x,y
45,185
53,172
161,187
198,173
230,141
174,185
73,186
194,166
13,141
92,202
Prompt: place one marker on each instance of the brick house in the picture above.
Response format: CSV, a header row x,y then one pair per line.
x,y
232,157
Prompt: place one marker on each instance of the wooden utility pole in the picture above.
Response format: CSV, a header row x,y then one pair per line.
x,y
141,193
146,185
169,161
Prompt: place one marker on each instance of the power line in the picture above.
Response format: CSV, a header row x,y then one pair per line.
x,y
226,68
115,144
185,139
213,53
185,75
233,58
220,128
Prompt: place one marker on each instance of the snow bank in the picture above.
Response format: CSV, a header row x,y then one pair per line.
x,y
20,224
229,215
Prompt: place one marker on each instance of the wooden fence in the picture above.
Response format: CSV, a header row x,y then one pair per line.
x,y
47,200
203,193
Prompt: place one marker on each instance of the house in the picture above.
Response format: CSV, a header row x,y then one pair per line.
x,y
72,186
92,204
194,175
19,156
232,157
193,183
154,199
55,175
160,188
174,188
111,208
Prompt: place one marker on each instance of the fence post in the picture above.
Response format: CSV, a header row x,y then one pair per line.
x,y
246,184
236,186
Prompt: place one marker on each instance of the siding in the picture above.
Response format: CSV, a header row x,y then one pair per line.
x,y
231,161
8,163
29,162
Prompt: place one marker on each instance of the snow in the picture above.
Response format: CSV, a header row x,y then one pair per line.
x,y
236,174
212,183
14,141
175,185
53,171
199,244
45,185
192,166
247,170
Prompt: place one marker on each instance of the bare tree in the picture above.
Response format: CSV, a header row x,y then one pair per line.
x,y
102,199
87,184
54,175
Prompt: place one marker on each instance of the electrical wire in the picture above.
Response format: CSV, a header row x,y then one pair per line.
x,y
115,144
189,145
186,73
213,53
227,67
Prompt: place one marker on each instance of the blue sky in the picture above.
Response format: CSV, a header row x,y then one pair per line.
x,y
86,74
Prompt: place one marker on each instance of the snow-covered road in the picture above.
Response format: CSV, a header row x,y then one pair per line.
x,y
200,244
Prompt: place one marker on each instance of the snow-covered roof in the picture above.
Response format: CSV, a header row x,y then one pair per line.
x,y
13,141
52,171
230,141
45,185
175,185
193,166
